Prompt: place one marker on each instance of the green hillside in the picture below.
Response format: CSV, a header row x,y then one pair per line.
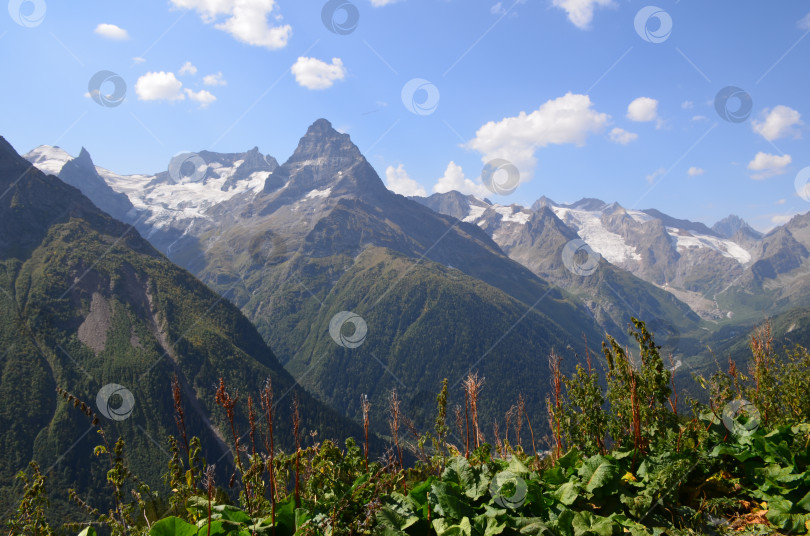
x,y
86,302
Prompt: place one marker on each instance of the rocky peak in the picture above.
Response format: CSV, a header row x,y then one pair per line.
x,y
543,202
326,159
731,225
322,142
81,172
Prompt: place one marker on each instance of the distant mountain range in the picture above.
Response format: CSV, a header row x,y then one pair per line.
x,y
684,258
359,290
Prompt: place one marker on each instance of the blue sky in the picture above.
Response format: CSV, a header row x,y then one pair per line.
x,y
578,96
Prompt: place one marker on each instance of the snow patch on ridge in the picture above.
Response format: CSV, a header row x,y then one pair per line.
x,y
685,240
512,214
169,202
589,227
638,216
49,160
508,214
476,211
319,193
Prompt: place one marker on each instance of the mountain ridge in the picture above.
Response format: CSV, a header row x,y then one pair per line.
x,y
87,302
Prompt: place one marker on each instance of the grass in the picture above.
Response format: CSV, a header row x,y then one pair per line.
x,y
621,460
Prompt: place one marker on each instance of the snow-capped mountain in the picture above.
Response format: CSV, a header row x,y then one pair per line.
x,y
165,207
686,258
295,245
203,194
538,239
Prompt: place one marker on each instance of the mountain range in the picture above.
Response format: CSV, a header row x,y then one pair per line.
x,y
296,244
359,290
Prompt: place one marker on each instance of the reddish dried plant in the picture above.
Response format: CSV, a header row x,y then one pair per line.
x,y
179,413
473,385
224,399
555,403
366,422
269,445
393,423
296,427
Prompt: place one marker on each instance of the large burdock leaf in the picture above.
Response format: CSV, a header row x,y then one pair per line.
x,y
804,502
588,524
599,473
569,461
472,481
232,513
444,528
488,526
398,512
448,502
517,467
533,527
172,526
567,493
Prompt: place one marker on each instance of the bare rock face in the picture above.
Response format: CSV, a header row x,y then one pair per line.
x,y
93,331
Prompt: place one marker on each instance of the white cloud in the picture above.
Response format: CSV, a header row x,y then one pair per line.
x,y
695,171
580,12
187,68
699,118
245,20
642,110
781,202
203,97
138,60
655,174
781,219
687,105
497,9
768,165
214,80
379,3
779,122
159,86
567,119
454,179
621,136
804,23
398,181
111,31
313,73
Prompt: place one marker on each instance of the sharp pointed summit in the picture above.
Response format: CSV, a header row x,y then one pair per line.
x,y
323,142
81,172
326,161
